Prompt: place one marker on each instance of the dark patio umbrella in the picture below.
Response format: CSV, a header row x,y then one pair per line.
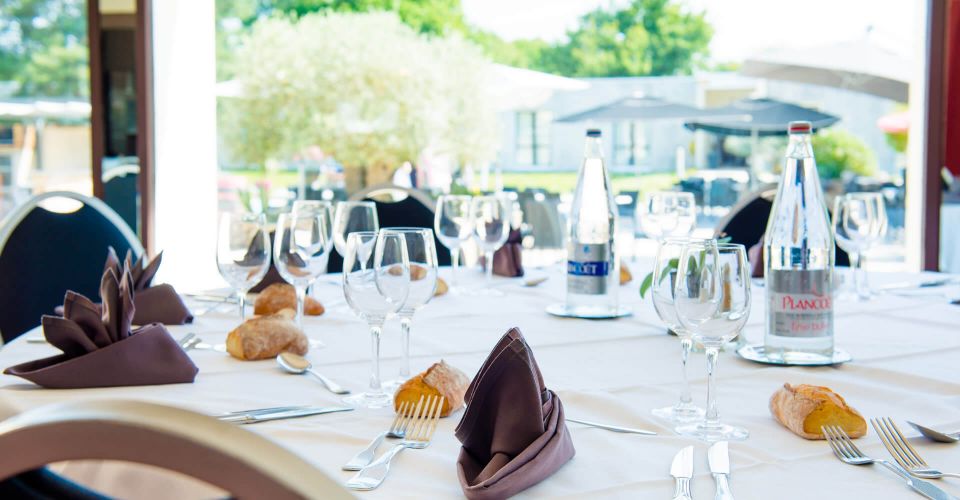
x,y
638,108
759,117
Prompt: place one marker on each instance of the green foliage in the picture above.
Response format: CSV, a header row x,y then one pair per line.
x,y
43,47
897,141
838,151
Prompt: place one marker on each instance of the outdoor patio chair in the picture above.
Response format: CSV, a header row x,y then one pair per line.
x,y
121,193
541,214
44,253
222,455
694,185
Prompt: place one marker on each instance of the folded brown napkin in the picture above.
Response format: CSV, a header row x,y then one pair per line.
x,y
508,259
100,349
513,431
154,304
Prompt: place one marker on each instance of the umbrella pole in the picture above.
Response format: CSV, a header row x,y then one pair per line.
x,y
754,157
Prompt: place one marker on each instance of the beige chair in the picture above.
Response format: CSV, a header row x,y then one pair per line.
x,y
223,455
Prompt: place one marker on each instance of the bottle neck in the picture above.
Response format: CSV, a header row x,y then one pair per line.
x,y
799,146
592,148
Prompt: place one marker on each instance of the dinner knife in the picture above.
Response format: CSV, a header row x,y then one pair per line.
x,y
682,470
266,417
719,459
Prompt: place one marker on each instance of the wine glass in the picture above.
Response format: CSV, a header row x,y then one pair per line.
x,y
300,252
375,289
452,225
856,225
667,213
351,217
662,292
243,252
490,216
322,208
422,252
712,300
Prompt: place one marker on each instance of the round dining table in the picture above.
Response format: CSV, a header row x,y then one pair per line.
x,y
905,345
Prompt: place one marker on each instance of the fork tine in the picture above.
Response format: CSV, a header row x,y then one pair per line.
x,y
434,420
418,418
850,449
401,413
905,445
411,416
889,444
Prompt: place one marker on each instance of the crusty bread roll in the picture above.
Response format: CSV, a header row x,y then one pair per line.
x,y
440,379
264,337
442,287
625,275
279,296
805,408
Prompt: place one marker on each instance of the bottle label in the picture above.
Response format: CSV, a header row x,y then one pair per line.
x,y
800,303
588,268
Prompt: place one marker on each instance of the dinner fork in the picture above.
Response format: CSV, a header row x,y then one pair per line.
x,y
397,430
848,452
903,452
418,436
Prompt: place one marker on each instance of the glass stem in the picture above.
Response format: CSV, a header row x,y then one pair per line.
x,y
454,265
685,398
855,259
406,322
712,419
241,299
863,289
301,297
489,269
375,331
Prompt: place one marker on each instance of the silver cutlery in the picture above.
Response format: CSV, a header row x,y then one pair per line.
x,y
418,435
719,459
906,285
943,437
257,411
186,340
209,297
299,365
397,430
613,428
682,471
848,453
532,282
37,339
901,450
254,418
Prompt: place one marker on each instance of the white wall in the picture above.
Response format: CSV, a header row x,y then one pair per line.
x,y
186,141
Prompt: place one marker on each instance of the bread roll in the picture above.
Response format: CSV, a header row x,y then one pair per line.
x,y
805,408
440,379
625,275
280,296
442,287
264,337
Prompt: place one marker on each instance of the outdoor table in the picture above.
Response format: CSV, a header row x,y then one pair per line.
x,y
906,354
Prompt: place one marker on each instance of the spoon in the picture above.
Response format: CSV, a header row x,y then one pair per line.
x,y
951,437
299,365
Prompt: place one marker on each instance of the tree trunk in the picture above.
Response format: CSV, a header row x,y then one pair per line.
x,y
378,174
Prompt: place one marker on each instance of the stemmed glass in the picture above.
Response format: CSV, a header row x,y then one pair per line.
x,y
662,291
375,289
859,221
667,213
452,224
422,252
712,299
300,252
243,252
322,208
351,217
490,216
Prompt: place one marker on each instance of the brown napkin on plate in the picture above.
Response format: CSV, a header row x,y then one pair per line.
x,y
513,431
508,259
100,349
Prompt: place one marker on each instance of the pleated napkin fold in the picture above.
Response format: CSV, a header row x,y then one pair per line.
x,y
99,347
513,431
154,304
508,259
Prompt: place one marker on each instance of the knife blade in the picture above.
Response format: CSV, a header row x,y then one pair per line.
x,y
719,459
266,417
255,411
682,470
929,490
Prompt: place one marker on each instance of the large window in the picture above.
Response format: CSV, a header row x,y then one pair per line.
x,y
629,143
533,137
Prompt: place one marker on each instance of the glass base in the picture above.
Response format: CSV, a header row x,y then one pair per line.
x,y
679,414
712,434
391,386
369,400
315,343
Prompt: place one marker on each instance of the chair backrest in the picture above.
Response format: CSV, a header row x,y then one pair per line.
x,y
120,192
746,222
44,253
397,207
223,455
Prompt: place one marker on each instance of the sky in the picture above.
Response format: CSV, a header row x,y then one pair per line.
x,y
742,27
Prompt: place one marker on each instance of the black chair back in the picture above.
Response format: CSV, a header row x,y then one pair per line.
x,y
121,193
47,253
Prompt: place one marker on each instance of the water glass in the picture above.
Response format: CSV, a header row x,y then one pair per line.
x,y
662,292
243,252
859,222
351,217
376,285
453,227
667,213
712,301
491,225
300,251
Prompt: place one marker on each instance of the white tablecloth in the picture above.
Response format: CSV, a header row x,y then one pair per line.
x,y
906,352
